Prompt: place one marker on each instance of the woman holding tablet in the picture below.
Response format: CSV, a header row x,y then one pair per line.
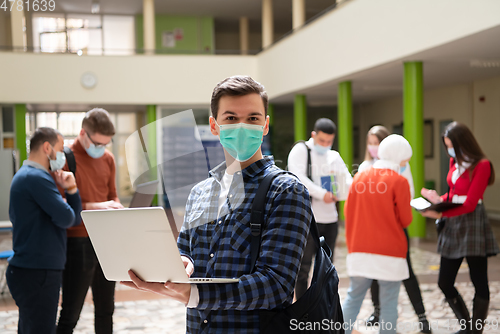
x,y
467,232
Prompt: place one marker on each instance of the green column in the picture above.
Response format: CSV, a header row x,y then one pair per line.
x,y
345,123
270,113
300,117
151,143
20,129
345,136
413,130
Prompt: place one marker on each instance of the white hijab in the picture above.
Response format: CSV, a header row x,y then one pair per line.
x,y
392,150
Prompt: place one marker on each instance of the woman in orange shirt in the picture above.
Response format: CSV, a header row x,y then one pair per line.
x,y
376,212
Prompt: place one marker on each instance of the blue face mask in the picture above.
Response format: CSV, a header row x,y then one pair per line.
x,y
402,169
58,163
95,151
451,152
321,149
241,140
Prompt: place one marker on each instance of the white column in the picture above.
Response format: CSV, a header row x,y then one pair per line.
x,y
149,26
299,13
18,28
244,32
267,23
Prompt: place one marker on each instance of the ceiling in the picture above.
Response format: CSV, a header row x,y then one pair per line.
x,y
448,64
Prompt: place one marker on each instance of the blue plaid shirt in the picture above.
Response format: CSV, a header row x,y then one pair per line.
x,y
220,247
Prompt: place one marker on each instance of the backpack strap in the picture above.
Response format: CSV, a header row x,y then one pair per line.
x,y
257,217
308,162
308,171
70,159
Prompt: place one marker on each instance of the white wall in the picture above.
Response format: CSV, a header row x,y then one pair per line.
x,y
363,34
230,40
169,79
486,125
459,103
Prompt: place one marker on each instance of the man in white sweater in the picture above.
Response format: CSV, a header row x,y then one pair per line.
x,y
324,169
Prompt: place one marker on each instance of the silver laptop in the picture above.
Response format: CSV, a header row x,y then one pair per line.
x,y
139,239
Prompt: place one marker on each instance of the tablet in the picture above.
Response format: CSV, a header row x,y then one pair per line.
x,y
421,204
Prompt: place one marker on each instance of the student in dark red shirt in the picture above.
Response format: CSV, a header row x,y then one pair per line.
x,y
95,172
467,232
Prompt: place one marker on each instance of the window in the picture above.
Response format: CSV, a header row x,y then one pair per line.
x,y
49,33
84,34
70,123
7,128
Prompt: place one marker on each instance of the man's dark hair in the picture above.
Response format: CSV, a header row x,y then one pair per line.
x,y
325,125
97,120
238,85
42,135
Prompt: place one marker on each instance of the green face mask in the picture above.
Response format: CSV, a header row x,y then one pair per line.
x,y
241,140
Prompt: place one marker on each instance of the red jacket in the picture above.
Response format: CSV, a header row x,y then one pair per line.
x,y
376,212
471,184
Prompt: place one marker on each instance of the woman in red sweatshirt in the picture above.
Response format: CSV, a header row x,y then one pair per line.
x,y
467,231
376,212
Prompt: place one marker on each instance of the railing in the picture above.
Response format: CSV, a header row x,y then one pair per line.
x,y
124,52
129,52
312,19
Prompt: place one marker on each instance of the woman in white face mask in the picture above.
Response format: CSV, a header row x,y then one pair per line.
x,y
467,231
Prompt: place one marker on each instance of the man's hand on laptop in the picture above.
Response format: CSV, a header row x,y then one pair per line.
x,y
104,205
177,291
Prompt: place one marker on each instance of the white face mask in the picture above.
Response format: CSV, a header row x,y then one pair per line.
x,y
59,162
321,149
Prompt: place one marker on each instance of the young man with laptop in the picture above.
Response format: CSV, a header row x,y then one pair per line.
x,y
216,236
95,174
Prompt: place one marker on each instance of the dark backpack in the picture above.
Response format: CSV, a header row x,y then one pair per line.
x,y
70,159
320,304
308,157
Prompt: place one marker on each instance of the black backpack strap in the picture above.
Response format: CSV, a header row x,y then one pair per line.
x,y
308,162
308,171
257,217
70,159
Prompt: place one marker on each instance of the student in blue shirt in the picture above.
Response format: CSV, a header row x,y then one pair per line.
x,y
216,236
40,217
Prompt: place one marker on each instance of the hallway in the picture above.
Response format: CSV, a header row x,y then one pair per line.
x,y
138,312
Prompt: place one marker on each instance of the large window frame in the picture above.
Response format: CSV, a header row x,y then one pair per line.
x,y
7,134
94,24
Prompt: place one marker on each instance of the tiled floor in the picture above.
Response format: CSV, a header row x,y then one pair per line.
x,y
138,312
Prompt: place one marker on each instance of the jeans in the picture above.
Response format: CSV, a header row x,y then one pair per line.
x,y
81,272
36,293
389,292
329,231
411,285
